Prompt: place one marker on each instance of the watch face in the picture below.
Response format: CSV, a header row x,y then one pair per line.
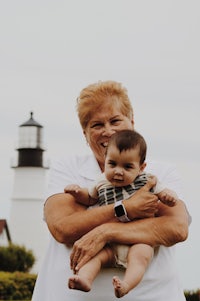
x,y
119,210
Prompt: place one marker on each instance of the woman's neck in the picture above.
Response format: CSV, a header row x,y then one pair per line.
x,y
101,165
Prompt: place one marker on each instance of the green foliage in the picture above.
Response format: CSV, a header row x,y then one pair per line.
x,y
16,258
192,295
16,286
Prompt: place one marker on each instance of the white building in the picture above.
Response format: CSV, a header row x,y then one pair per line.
x,y
26,223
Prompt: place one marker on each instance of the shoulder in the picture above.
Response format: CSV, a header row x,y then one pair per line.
x,y
160,169
70,169
167,173
74,166
72,161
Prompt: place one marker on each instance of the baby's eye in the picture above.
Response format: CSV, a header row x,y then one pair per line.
x,y
112,163
128,166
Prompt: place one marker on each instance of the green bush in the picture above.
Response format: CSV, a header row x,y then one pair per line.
x,y
16,258
16,286
192,295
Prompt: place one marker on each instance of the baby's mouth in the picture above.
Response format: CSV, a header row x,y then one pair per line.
x,y
119,180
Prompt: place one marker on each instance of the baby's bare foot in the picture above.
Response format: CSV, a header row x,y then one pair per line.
x,y
121,288
77,283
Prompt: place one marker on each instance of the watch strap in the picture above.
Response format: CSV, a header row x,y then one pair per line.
x,y
124,219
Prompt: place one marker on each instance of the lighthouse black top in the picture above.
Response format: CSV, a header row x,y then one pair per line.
x,y
30,150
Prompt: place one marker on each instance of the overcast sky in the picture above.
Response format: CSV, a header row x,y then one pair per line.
x,y
50,50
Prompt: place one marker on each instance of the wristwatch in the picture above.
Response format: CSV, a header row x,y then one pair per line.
x,y
120,212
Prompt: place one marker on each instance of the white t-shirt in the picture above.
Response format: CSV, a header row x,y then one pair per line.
x,y
160,282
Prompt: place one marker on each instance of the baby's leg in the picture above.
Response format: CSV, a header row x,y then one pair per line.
x,y
84,278
138,259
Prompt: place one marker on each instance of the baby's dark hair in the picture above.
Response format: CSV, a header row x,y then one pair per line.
x,y
129,139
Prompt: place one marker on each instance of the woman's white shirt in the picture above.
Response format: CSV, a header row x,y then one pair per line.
x,y
160,282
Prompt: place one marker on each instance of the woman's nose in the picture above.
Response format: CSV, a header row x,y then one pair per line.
x,y
108,130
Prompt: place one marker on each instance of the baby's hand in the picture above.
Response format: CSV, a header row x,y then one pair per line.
x,y
168,197
79,193
72,188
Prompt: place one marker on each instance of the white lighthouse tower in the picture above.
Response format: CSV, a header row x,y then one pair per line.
x,y
30,176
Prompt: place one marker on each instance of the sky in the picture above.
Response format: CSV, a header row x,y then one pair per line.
x,y
51,49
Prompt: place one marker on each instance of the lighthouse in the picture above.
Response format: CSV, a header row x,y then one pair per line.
x,y
26,223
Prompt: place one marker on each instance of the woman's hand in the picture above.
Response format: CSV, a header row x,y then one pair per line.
x,y
87,247
142,203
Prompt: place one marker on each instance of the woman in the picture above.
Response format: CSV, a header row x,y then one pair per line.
x,y
103,109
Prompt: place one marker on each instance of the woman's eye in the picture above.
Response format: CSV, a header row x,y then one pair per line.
x,y
115,121
96,125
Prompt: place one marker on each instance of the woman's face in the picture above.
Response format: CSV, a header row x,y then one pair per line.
x,y
103,124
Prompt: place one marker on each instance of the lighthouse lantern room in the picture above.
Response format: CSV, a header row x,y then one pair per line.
x,y
30,149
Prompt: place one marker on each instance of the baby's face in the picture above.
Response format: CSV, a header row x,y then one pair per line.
x,y
121,169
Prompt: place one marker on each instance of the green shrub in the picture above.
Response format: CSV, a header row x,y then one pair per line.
x,y
16,258
16,286
192,295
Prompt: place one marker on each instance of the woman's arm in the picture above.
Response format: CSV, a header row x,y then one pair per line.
x,y
169,228
68,221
